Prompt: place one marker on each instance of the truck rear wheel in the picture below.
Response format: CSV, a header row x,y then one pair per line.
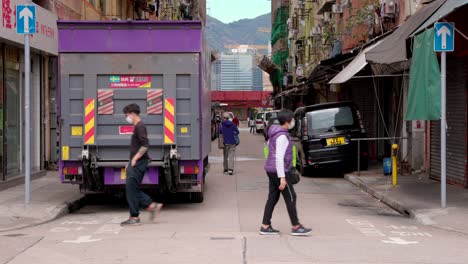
x,y
196,197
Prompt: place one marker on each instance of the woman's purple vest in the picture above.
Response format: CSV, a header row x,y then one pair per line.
x,y
274,132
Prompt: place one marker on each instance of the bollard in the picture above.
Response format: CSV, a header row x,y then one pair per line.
x,y
394,165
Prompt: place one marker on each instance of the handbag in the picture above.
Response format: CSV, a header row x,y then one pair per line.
x,y
236,138
293,176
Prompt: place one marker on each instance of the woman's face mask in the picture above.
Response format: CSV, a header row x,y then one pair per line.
x,y
292,124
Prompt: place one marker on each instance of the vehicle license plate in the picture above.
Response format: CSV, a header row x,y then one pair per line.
x,y
335,141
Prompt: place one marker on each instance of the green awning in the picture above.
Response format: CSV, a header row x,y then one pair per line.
x,y
424,89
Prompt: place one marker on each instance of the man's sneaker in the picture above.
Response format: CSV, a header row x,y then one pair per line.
x,y
131,222
225,172
231,172
154,212
301,231
268,231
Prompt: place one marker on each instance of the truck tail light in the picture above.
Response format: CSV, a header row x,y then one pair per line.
x,y
258,122
189,170
72,171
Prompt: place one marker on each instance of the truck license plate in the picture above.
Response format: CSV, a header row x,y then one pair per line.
x,y
335,141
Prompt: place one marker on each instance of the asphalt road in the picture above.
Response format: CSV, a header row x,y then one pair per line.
x,y
349,227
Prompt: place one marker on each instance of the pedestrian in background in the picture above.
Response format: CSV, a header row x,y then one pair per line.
x,y
229,129
236,121
252,125
277,167
136,169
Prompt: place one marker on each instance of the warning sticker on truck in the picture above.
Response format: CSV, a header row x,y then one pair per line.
x,y
77,131
117,81
154,101
105,102
65,152
126,130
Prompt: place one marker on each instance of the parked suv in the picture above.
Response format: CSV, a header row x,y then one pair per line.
x,y
323,134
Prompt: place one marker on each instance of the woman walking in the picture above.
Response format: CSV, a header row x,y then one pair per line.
x,y
277,167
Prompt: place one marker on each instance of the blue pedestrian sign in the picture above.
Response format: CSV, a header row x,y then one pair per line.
x,y
25,19
444,37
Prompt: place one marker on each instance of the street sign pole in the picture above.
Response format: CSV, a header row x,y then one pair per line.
x,y
26,25
27,124
443,130
444,41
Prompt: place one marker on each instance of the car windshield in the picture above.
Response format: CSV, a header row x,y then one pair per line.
x,y
328,120
270,115
260,116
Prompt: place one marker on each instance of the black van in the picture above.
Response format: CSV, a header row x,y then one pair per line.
x,y
323,134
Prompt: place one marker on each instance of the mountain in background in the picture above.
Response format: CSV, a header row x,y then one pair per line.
x,y
244,31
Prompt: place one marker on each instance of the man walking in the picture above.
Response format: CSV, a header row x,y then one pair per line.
x,y
228,129
136,169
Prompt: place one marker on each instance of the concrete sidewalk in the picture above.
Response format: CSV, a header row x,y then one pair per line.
x,y
50,199
419,197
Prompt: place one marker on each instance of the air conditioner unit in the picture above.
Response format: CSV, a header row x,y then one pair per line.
x,y
337,9
315,31
326,17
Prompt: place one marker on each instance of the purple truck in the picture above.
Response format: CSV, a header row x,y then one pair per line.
x,y
164,67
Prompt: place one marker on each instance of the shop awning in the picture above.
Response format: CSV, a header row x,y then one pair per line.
x,y
328,68
448,7
355,66
393,48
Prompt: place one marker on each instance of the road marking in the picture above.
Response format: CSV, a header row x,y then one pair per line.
x,y
366,228
371,231
93,222
399,241
419,234
82,239
66,229
403,227
109,229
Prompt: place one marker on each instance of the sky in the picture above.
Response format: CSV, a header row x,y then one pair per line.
x,y
229,11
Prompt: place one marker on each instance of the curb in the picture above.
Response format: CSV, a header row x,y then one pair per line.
x,y
59,211
403,210
408,212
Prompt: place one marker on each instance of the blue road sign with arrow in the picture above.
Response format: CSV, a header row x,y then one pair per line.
x,y
444,36
25,19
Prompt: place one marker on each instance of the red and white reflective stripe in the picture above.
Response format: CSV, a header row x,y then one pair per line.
x,y
154,101
105,102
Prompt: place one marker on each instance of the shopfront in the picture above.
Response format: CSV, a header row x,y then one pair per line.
x,y
43,50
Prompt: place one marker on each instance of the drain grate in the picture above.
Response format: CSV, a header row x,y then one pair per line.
x,y
357,205
15,235
222,238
